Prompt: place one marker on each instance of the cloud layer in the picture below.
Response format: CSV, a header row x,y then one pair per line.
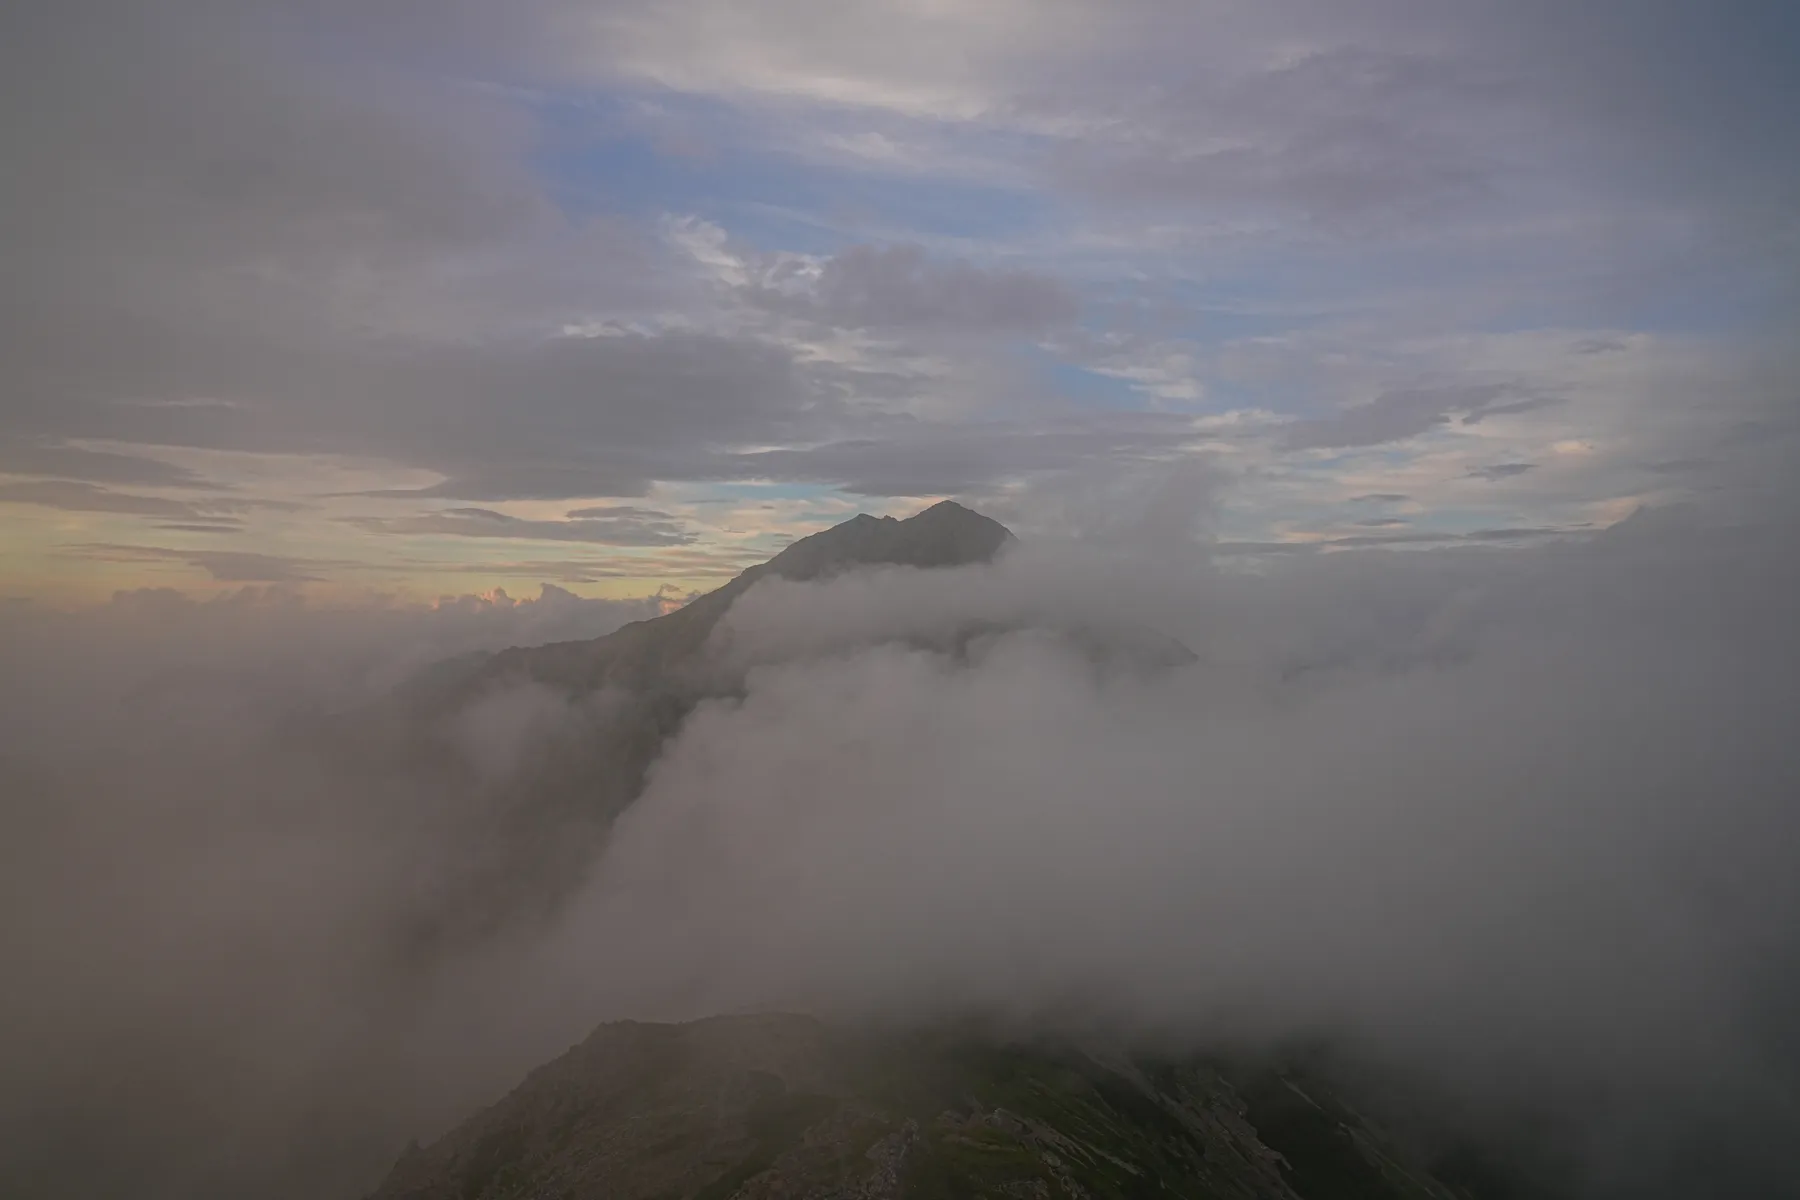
x,y
1512,819
571,252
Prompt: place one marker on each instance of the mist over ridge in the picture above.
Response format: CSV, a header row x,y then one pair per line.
x,y
1034,598
1513,820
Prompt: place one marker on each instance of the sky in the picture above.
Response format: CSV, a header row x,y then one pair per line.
x,y
421,300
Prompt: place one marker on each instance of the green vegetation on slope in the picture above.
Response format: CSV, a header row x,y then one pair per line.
x,y
786,1108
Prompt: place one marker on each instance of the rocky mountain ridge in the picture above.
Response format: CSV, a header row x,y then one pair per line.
x,y
628,693
665,664
652,652
784,1107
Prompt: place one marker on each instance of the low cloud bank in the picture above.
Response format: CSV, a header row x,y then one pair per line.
x,y
1520,820
215,880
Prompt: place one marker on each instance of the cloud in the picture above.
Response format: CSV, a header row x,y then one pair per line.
x,y
1172,503
902,288
1403,798
71,496
1499,471
680,562
623,526
1414,537
1397,415
1342,136
220,213
238,566
909,457
588,416
219,526
1529,404
1513,817
253,882
1505,806
335,244
1676,466
875,56
94,466
225,566
621,512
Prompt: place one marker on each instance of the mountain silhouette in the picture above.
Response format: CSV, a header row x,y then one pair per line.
x,y
624,696
653,654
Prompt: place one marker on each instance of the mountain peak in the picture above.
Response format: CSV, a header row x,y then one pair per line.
x,y
944,535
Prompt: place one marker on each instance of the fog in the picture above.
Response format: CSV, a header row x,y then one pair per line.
x,y
1518,821
205,891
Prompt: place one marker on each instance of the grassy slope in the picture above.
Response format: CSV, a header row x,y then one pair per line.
x,y
780,1108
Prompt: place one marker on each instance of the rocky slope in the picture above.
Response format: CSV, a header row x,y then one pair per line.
x,y
776,1107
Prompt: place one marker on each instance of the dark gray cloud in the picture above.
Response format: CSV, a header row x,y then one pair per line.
x,y
638,528
219,526
18,457
568,416
1528,404
1500,471
1397,415
339,259
71,496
